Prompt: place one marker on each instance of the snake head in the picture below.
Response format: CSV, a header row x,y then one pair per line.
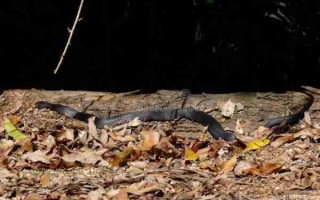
x,y
43,104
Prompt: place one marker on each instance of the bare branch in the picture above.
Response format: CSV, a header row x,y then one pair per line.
x,y
70,36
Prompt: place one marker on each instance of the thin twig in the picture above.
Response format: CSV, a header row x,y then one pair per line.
x,y
70,36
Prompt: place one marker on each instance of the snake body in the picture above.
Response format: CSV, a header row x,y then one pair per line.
x,y
214,127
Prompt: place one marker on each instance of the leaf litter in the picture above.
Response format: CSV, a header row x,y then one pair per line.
x,y
146,161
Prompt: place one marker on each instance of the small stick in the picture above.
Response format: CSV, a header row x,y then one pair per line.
x,y
70,36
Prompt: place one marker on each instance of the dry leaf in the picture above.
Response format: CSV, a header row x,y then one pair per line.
x,y
190,155
12,131
256,144
307,132
25,145
119,136
239,106
6,146
269,168
137,188
45,179
198,145
252,171
203,153
228,165
149,139
307,118
37,156
104,137
243,167
4,173
135,122
96,194
14,119
92,128
33,196
66,135
122,195
228,109
113,192
144,164
239,129
262,132
49,142
88,157
166,147
282,140
121,157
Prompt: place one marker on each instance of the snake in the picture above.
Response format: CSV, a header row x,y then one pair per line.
x,y
213,126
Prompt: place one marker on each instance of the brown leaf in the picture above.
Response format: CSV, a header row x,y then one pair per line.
x,y
25,145
14,119
242,166
88,157
33,196
92,128
150,138
252,171
96,194
122,195
138,189
104,137
45,179
6,146
262,132
203,153
1,124
282,140
37,156
49,143
269,168
116,135
304,133
121,157
113,192
167,148
4,173
228,165
144,164
66,135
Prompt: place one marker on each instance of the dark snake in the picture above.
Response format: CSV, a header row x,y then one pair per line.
x,y
214,127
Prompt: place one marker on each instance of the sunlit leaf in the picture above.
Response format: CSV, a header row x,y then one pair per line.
x,y
12,131
256,144
190,155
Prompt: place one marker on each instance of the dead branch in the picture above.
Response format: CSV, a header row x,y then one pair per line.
x,y
70,36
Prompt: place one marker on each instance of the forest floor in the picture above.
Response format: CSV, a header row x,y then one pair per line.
x,y
45,155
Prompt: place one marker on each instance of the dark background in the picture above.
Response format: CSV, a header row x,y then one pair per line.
x,y
203,45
